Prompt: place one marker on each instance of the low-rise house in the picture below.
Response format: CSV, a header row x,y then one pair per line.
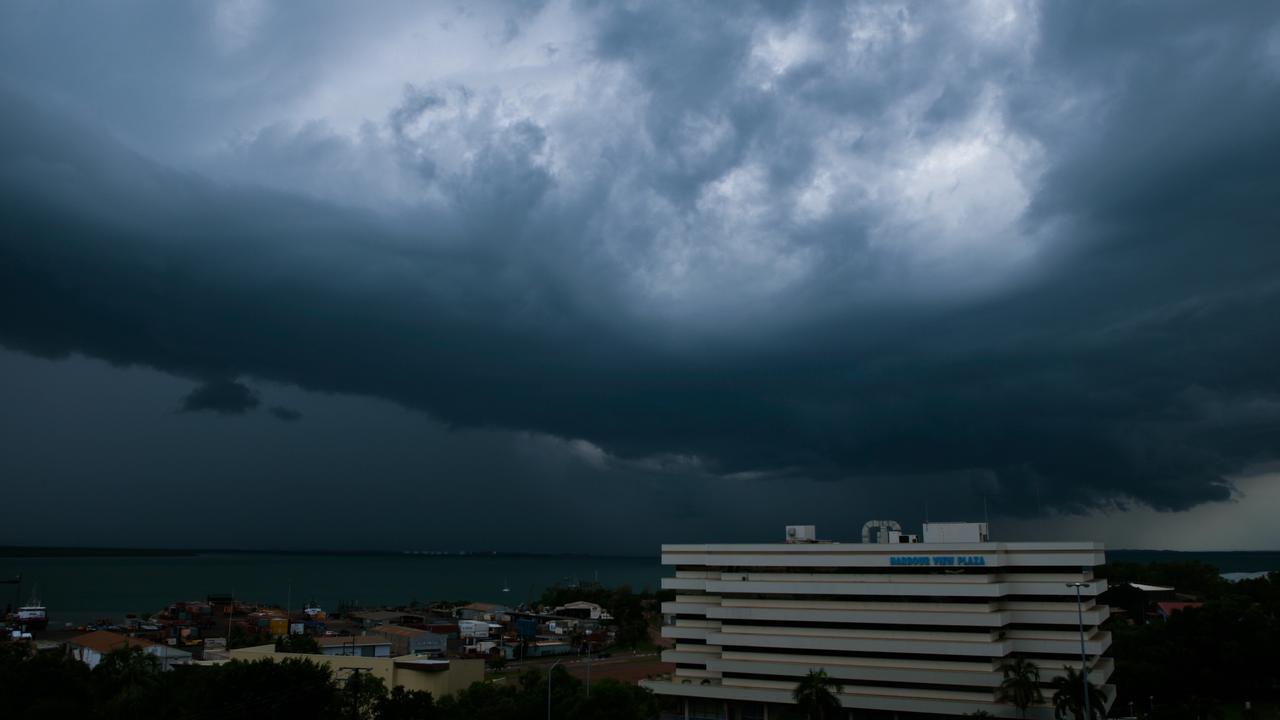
x,y
582,610
374,618
371,646
91,648
413,641
482,611
473,628
1138,601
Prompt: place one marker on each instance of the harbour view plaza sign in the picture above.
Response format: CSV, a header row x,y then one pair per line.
x,y
938,560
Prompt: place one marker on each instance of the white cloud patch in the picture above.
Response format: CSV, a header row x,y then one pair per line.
x,y
236,23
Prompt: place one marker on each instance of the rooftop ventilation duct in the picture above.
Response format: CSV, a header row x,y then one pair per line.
x,y
883,527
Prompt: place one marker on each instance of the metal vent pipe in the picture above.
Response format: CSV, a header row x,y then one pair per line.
x,y
884,526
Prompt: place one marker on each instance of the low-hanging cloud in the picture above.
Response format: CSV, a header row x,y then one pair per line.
x,y
226,397
999,246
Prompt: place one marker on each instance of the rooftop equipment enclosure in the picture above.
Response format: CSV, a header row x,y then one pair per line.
x,y
955,532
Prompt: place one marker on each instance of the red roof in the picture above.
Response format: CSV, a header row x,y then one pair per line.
x,y
1168,608
104,641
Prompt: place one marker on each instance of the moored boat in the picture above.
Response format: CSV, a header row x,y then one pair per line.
x,y
32,616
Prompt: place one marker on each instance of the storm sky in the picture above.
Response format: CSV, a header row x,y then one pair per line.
x,y
588,277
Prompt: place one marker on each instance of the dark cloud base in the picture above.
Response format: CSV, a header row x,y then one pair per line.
x,y
226,397
286,414
1136,365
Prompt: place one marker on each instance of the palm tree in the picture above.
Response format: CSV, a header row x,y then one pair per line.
x,y
1068,697
1021,685
815,694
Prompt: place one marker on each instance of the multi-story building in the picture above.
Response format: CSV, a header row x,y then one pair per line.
x,y
911,628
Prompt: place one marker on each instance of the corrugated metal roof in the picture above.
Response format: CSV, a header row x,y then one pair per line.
x,y
399,630
1150,588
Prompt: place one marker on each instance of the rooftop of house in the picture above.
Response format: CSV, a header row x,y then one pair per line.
x,y
401,631
1149,588
382,615
340,640
105,641
1167,608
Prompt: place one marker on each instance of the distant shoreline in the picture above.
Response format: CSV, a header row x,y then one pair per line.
x,y
74,552
1234,559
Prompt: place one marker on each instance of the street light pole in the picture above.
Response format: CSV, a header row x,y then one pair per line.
x,y
553,667
1084,658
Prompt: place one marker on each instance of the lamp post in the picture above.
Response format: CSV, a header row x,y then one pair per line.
x,y
1084,658
553,667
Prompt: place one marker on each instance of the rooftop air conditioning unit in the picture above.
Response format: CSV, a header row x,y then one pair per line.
x,y
802,534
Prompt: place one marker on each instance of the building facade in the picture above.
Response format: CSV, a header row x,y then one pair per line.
x,y
355,645
911,628
437,676
413,641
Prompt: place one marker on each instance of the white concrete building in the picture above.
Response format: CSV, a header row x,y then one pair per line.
x,y
912,629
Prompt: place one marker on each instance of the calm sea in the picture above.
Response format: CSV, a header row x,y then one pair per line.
x,y
83,589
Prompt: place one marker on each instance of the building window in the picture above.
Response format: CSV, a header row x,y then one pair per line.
x,y
706,710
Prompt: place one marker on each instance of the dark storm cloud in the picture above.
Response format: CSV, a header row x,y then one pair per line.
x,y
226,397
285,413
733,277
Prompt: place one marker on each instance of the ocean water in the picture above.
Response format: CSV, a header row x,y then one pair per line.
x,y
83,589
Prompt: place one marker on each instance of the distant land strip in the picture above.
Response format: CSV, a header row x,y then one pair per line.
x,y
20,551
41,551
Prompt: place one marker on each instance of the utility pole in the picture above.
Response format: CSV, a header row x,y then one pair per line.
x,y
553,667
1084,658
354,682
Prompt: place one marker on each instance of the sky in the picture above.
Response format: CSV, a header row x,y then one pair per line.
x,y
594,276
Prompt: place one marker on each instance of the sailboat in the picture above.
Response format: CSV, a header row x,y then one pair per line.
x,y
506,588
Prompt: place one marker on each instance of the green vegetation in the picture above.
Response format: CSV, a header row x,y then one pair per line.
x,y
246,637
1184,575
816,695
1202,661
129,684
297,644
526,699
1021,685
1068,697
